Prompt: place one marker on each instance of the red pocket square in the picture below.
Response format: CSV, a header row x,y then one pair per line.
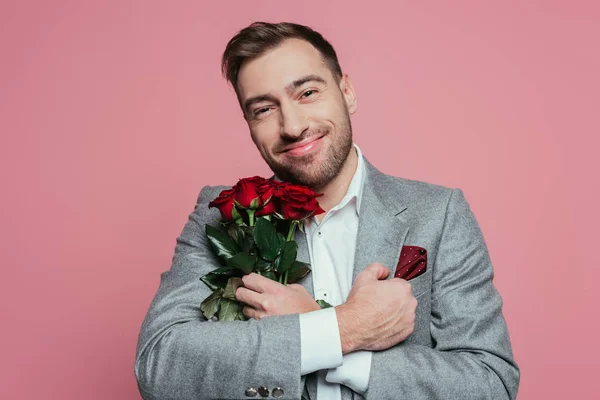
x,y
412,263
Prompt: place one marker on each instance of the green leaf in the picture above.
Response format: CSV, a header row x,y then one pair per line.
x,y
248,246
210,305
240,314
297,271
231,287
254,204
242,237
228,310
263,265
323,304
243,261
248,230
287,257
215,280
271,275
236,233
222,244
269,242
223,270
235,214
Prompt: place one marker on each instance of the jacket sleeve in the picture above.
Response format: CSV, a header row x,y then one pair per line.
x,y
472,356
181,355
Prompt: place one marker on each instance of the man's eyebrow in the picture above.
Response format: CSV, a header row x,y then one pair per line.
x,y
301,81
289,88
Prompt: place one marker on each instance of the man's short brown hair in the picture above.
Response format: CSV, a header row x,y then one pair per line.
x,y
260,37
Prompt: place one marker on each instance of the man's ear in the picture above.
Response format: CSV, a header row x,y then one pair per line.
x,y
348,92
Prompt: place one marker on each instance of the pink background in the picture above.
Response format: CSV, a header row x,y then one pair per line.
x,y
114,114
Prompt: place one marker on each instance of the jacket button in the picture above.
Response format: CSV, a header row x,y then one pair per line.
x,y
422,251
277,392
251,392
263,391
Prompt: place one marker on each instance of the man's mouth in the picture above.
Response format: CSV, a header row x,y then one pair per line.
x,y
302,148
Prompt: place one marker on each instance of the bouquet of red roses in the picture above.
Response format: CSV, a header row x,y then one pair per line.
x,y
258,220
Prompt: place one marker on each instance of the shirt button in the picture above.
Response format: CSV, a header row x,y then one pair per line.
x,y
319,233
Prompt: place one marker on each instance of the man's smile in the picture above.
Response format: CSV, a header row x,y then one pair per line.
x,y
303,148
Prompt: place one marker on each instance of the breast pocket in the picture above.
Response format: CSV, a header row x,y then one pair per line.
x,y
421,284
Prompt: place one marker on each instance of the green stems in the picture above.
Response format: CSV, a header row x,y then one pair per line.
x,y
290,236
285,278
292,230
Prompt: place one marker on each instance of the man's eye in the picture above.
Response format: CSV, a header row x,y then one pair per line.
x,y
261,111
307,92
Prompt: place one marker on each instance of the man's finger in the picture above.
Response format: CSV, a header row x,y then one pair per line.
x,y
374,271
248,296
250,312
259,283
383,273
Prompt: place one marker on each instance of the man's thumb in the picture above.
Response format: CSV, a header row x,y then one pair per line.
x,y
375,271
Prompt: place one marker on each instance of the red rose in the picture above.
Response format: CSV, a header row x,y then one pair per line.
x,y
296,202
245,190
224,202
265,192
266,189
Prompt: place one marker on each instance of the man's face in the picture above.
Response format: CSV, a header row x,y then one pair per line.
x,y
298,116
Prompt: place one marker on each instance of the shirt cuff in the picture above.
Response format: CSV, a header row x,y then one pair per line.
x,y
320,343
354,372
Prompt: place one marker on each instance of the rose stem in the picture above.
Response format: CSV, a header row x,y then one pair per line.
x,y
289,238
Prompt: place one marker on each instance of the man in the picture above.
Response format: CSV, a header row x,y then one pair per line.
x,y
440,335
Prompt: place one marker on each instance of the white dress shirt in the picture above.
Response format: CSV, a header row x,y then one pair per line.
x,y
331,245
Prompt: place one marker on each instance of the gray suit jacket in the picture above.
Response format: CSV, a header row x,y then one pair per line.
x,y
460,348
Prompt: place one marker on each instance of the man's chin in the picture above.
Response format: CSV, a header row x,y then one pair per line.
x,y
294,176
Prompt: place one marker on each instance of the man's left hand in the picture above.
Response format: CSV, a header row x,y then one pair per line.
x,y
265,297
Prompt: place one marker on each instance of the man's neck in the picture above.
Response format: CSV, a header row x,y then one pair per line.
x,y
334,191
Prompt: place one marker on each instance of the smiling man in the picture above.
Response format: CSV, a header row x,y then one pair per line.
x,y
440,334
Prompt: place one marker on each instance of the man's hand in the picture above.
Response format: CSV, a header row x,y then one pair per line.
x,y
378,313
266,297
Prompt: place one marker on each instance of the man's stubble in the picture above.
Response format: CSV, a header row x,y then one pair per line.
x,y
299,171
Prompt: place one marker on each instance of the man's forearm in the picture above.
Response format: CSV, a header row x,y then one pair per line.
x,y
421,372
210,360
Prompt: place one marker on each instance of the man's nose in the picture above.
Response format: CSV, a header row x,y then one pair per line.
x,y
293,121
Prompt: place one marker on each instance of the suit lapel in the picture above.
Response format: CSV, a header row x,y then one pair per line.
x,y
382,228
303,256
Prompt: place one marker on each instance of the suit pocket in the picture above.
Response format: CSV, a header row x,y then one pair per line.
x,y
421,284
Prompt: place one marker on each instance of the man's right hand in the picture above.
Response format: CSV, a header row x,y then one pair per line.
x,y
378,313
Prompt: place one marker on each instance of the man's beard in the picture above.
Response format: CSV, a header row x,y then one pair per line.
x,y
298,172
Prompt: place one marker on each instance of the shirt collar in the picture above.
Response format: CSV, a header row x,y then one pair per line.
x,y
356,184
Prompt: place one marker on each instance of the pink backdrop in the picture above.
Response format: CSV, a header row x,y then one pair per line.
x,y
114,114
